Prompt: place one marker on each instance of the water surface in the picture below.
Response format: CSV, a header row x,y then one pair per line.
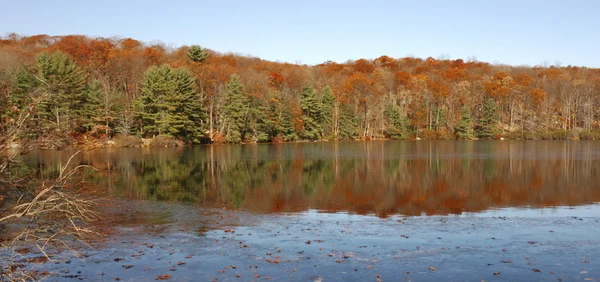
x,y
380,177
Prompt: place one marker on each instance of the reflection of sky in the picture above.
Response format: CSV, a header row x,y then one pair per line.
x,y
562,211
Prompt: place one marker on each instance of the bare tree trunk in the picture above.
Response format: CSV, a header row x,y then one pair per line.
x,y
57,119
210,118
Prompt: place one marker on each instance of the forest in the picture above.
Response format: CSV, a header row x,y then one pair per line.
x,y
126,90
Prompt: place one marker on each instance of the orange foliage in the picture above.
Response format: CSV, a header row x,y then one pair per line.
x,y
275,79
523,80
363,66
403,78
538,95
386,62
438,89
154,54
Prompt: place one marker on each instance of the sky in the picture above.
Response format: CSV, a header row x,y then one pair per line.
x,y
514,32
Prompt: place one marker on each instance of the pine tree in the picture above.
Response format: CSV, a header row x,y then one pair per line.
x,y
288,130
312,116
464,129
256,124
100,106
328,112
151,106
169,104
188,106
488,124
197,54
234,110
64,82
23,84
397,124
348,122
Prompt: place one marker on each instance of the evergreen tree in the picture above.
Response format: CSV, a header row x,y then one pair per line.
x,y
348,122
197,54
464,129
288,130
256,124
397,124
151,106
312,116
327,109
100,106
169,104
488,123
234,110
189,106
65,83
23,84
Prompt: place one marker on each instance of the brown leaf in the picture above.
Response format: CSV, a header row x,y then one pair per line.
x,y
38,260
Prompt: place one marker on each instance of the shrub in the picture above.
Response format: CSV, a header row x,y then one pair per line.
x,y
553,135
127,141
592,135
165,141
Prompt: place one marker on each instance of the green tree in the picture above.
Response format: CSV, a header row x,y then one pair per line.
x,y
488,124
256,126
234,110
155,85
397,124
65,83
21,83
169,104
312,116
288,131
197,54
100,107
189,106
348,122
328,111
464,129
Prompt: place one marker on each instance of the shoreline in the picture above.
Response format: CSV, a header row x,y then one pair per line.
x,y
136,142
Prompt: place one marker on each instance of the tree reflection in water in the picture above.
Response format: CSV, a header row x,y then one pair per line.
x,y
380,177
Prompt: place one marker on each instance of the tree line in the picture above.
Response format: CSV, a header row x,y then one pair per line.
x,y
105,87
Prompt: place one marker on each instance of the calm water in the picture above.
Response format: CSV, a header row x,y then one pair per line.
x,y
380,177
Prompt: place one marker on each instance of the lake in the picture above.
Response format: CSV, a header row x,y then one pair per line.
x,y
345,211
379,177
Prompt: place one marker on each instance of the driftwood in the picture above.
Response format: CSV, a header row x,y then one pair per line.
x,y
37,219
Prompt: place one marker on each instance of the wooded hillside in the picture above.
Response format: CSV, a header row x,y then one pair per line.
x,y
105,87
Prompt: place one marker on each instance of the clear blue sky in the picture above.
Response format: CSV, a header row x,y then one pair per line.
x,y
512,32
